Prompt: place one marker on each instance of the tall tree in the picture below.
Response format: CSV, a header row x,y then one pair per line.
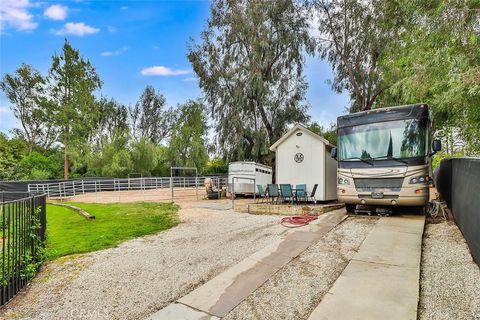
x,y
249,64
355,37
330,134
144,158
112,125
73,81
149,119
26,91
440,65
188,143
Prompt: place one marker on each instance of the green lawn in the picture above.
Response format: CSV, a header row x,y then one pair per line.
x,y
68,232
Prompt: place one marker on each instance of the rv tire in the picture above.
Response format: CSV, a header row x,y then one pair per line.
x,y
350,207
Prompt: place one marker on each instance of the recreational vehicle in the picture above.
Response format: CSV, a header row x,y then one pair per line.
x,y
244,175
384,157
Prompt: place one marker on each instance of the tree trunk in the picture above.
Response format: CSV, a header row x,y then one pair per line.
x,y
30,147
66,162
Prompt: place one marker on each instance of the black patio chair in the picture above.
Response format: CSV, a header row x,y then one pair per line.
x,y
272,192
312,194
286,192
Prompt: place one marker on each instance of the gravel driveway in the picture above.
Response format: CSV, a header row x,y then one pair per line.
x,y
143,275
294,291
449,279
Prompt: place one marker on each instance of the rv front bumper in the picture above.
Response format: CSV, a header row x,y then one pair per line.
x,y
407,196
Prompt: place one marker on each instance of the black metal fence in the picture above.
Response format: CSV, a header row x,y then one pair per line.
x,y
23,218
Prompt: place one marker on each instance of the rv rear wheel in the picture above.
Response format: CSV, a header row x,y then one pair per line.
x,y
350,207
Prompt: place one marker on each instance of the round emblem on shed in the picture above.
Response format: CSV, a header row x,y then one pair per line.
x,y
298,157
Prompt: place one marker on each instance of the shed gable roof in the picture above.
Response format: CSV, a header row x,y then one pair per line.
x,y
299,127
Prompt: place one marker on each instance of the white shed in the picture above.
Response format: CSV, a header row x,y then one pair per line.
x,y
303,157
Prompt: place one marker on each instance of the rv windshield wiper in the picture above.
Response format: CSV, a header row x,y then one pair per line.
x,y
357,158
390,158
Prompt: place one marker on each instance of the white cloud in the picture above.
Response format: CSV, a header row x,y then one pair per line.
x,y
114,53
14,14
111,29
189,79
76,28
162,71
56,12
4,110
123,8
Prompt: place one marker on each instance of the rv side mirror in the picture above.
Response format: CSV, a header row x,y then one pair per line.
x,y
436,145
334,153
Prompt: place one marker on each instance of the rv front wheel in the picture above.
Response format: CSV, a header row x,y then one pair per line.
x,y
350,207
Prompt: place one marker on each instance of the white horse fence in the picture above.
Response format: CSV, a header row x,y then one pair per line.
x,y
72,188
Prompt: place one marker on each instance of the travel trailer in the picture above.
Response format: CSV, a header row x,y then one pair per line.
x,y
243,176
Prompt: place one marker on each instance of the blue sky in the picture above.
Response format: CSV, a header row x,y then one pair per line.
x,y
131,44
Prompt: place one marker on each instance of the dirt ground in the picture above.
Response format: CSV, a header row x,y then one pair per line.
x,y
153,195
294,291
449,279
145,274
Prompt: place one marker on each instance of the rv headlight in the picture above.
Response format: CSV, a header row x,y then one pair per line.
x,y
343,181
419,179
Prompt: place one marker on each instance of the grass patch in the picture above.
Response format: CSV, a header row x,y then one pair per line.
x,y
69,233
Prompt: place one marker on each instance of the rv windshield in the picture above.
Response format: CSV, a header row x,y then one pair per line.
x,y
384,140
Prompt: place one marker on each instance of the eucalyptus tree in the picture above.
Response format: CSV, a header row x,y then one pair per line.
x,y
188,142
249,63
149,117
440,65
72,83
356,37
26,91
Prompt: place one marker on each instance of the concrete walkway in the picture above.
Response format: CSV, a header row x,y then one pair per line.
x,y
382,280
220,295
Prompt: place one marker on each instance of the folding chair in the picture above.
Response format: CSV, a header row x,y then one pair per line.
x,y
312,194
272,190
286,192
261,193
301,192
